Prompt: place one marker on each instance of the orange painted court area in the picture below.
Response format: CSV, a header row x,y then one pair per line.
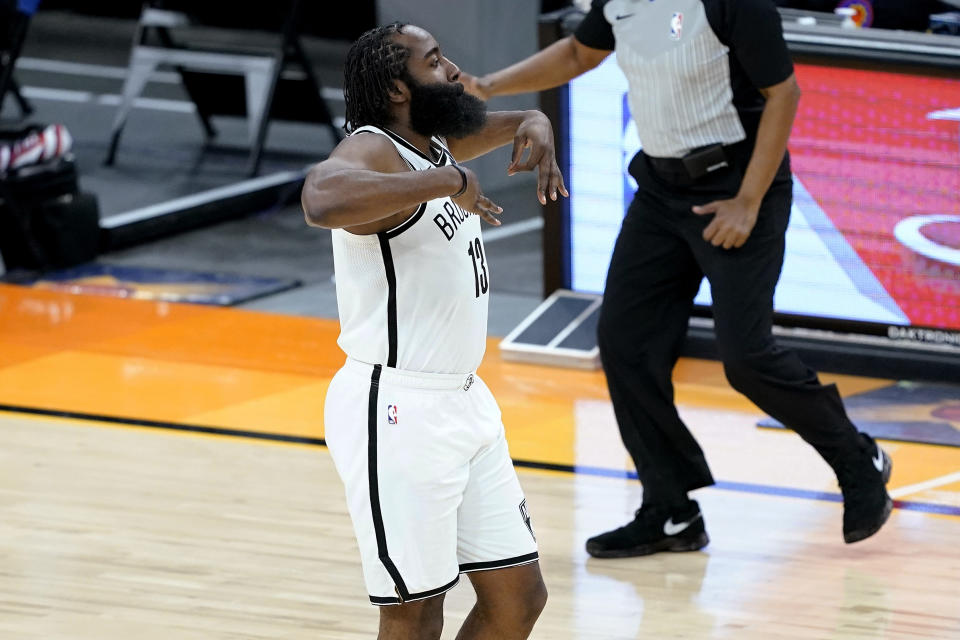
x,y
266,373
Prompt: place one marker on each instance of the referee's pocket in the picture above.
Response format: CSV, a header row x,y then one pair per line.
x,y
722,184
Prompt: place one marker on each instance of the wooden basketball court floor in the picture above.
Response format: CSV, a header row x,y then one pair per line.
x,y
162,475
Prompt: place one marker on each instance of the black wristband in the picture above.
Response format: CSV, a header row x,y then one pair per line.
x,y
463,187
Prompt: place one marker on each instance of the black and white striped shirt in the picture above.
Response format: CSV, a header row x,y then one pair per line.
x,y
693,66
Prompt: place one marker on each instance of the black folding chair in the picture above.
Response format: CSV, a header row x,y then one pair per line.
x,y
207,77
14,19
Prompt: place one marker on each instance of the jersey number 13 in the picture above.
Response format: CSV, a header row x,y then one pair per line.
x,y
480,280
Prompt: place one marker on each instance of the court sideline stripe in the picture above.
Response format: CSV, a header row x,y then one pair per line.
x,y
170,426
741,487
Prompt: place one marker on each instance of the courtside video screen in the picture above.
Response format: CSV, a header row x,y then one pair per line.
x,y
874,235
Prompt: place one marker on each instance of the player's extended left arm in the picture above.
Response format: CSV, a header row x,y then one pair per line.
x,y
734,219
527,130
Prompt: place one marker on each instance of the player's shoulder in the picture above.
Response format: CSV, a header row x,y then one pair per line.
x,y
369,149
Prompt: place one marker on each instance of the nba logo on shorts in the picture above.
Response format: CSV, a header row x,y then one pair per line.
x,y
676,25
391,414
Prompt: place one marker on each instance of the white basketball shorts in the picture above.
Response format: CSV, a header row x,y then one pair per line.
x,y
430,486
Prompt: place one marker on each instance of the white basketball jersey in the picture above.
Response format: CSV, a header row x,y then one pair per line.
x,y
415,297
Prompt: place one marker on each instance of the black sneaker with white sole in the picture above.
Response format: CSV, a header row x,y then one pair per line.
x,y
863,477
652,530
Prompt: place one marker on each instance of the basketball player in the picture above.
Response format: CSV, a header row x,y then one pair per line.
x,y
414,433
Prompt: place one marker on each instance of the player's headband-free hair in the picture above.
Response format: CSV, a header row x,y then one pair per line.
x,y
373,63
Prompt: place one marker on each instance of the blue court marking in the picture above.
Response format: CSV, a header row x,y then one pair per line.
x,y
603,472
742,487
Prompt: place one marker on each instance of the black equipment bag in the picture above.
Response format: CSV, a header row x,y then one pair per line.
x,y
46,222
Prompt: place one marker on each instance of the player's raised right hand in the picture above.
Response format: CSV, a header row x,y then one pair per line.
x,y
473,201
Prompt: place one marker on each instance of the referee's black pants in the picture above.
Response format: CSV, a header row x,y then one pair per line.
x,y
655,272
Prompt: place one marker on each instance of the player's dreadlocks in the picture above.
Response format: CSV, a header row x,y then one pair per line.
x,y
373,63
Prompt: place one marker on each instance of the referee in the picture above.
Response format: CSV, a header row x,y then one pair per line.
x,y
713,94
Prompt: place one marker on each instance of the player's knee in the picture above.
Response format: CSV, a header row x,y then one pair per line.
x,y
421,620
521,609
530,604
536,599
432,627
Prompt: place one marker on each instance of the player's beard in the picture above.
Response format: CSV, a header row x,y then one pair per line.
x,y
445,110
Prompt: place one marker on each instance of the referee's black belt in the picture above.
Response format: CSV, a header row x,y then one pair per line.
x,y
699,162
668,165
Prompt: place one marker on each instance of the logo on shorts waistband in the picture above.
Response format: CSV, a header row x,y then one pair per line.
x,y
468,383
391,414
676,25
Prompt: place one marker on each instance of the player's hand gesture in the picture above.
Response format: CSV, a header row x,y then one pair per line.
x,y
473,201
536,134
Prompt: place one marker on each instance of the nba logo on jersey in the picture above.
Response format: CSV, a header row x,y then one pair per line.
x,y
676,25
391,414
